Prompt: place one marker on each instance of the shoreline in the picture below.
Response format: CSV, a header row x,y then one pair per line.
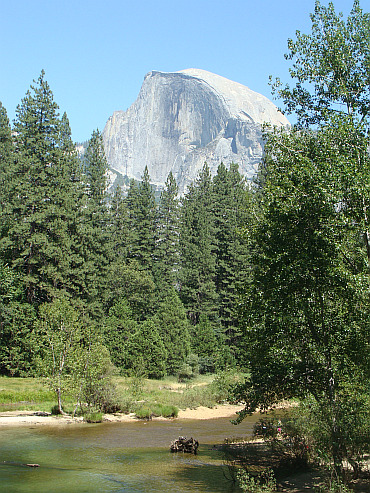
x,y
34,418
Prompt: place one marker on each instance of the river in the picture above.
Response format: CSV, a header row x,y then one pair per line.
x,y
117,457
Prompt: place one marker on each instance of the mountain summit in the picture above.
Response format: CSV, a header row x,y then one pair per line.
x,y
182,119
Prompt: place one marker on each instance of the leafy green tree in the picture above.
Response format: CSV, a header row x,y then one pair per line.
x,y
198,250
173,327
60,329
330,67
72,357
308,331
307,318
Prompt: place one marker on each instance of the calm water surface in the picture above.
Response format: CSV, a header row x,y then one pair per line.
x,y
116,457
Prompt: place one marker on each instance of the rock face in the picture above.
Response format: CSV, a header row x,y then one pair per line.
x,y
182,119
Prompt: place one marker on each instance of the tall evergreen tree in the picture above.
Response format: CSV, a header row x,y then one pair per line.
x,y
40,242
94,230
142,212
232,213
166,265
6,173
173,328
198,250
119,226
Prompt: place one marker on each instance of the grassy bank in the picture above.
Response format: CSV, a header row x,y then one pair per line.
x,y
143,397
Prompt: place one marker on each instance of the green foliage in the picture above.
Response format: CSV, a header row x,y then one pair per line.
x,y
198,250
16,322
224,384
147,411
141,222
189,369
232,206
93,230
129,282
43,205
94,384
173,328
330,67
205,344
118,327
166,266
94,417
263,482
6,173
145,346
307,308
72,358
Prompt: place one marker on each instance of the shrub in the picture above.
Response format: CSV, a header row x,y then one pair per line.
x,y
144,412
170,411
94,417
224,384
261,483
185,373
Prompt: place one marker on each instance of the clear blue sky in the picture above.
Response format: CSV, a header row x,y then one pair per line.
x,y
96,54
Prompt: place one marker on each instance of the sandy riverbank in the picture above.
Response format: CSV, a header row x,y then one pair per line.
x,y
31,418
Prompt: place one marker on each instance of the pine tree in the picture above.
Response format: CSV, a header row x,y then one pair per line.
x,y
198,250
42,204
232,212
142,212
94,229
173,328
167,237
119,226
132,205
6,173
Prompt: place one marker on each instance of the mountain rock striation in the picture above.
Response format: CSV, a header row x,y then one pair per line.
x,y
182,119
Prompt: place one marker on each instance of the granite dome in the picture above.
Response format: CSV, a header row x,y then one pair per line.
x,y
182,119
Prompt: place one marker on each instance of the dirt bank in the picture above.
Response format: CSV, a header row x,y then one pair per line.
x,y
31,418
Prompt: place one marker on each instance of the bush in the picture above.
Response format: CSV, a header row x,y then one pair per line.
x,y
144,412
148,411
55,410
189,369
94,417
286,437
224,384
261,483
185,373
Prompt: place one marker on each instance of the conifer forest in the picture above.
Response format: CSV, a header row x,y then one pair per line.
x,y
271,278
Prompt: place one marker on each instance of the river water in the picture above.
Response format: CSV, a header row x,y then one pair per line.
x,y
117,457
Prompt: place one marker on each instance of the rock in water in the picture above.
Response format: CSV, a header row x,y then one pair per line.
x,y
182,119
186,445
